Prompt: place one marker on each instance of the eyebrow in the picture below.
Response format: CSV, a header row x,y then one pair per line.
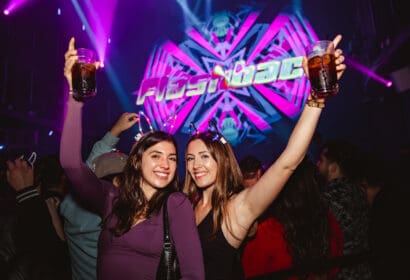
x,y
202,152
160,152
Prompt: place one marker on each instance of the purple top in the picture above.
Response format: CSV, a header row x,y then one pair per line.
x,y
136,254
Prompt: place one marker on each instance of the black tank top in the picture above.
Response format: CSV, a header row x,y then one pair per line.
x,y
222,261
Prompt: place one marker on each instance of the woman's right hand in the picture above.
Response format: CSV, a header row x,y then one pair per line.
x,y
70,57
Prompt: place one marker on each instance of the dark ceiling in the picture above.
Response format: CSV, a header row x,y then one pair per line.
x,y
34,39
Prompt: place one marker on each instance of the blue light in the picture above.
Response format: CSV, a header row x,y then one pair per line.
x,y
2,147
50,133
59,12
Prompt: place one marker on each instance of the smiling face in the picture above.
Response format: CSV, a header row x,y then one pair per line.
x,y
158,166
200,164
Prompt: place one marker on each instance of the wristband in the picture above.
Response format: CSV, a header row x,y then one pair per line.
x,y
314,103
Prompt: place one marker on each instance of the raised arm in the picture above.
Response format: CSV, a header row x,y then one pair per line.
x,y
102,146
252,202
85,184
111,138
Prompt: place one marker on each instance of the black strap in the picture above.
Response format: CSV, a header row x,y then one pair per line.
x,y
167,237
168,267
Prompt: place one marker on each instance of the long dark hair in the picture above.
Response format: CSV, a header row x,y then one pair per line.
x,y
131,202
228,178
301,209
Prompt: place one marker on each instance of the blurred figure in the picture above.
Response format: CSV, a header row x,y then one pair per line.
x,y
373,176
252,169
298,237
389,238
38,234
51,182
10,267
49,177
338,164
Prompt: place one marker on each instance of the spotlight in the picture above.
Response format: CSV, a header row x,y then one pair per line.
x,y
59,12
109,40
2,147
102,64
83,27
50,133
6,12
368,72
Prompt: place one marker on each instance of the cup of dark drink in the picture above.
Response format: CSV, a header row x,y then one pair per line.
x,y
322,69
84,75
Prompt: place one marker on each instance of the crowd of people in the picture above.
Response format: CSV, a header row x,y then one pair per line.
x,y
102,218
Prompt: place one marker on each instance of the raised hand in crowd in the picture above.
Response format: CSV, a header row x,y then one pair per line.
x,y
19,174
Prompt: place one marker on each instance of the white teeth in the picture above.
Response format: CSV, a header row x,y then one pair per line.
x,y
199,175
160,174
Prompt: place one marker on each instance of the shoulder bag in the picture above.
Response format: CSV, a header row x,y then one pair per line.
x,y
168,268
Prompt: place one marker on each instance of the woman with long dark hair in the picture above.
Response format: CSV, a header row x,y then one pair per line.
x,y
297,235
131,240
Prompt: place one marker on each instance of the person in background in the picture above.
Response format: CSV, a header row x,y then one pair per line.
x,y
389,209
51,182
347,200
297,236
373,176
81,226
131,240
224,210
252,169
39,240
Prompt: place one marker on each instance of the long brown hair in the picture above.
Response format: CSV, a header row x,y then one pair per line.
x,y
228,177
131,201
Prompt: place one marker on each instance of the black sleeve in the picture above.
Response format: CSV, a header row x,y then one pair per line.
x,y
36,238
34,228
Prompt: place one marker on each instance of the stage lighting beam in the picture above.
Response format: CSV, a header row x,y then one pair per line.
x,y
368,72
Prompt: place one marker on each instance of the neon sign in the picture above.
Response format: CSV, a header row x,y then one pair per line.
x,y
240,76
244,74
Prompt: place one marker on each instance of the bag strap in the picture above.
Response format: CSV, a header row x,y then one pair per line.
x,y
167,237
169,258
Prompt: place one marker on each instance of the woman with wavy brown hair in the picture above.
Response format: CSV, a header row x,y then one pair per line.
x,y
131,240
224,211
